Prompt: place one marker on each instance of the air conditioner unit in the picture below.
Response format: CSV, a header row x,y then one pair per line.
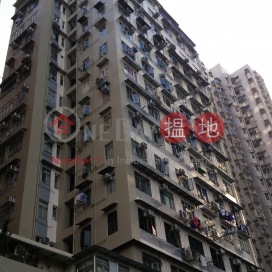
x,y
142,145
25,87
12,168
14,45
164,187
221,251
107,177
30,30
105,88
156,15
183,214
236,262
11,199
144,60
180,172
16,116
45,240
215,206
145,28
149,213
27,56
175,227
151,103
165,161
137,115
187,254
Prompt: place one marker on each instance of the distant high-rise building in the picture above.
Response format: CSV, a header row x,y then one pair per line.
x,y
84,167
242,99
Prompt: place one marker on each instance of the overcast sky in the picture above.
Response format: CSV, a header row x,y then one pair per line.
x,y
231,32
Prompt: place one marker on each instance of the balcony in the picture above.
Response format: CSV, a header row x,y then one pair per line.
x,y
82,16
153,172
149,75
126,7
129,57
159,41
17,103
83,34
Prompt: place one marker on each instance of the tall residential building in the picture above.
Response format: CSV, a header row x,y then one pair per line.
x,y
84,167
242,99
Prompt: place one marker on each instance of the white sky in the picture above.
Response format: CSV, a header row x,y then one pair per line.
x,y
233,32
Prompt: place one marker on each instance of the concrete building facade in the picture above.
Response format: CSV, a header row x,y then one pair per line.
x,y
82,159
244,96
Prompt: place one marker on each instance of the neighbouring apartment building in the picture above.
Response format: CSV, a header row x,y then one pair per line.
x,y
242,99
85,172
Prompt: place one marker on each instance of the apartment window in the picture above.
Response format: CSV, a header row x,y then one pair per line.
x,y
103,49
147,222
112,223
53,74
61,80
54,54
102,30
86,64
43,210
85,237
172,236
133,96
111,185
244,244
167,102
217,259
151,262
196,246
63,10
56,181
60,101
138,150
15,146
101,12
47,146
46,176
107,120
167,199
62,41
266,122
162,165
154,112
85,44
202,193
136,123
130,72
266,196
151,89
175,269
109,151
54,213
125,30
145,47
156,135
142,183
55,36
85,26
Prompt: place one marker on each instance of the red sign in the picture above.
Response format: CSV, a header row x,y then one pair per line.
x,y
209,127
175,127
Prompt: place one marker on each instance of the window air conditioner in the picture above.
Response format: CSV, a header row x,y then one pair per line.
x,y
12,168
149,213
11,199
25,87
137,115
175,227
142,145
16,116
45,240
164,187
107,178
105,88
236,262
